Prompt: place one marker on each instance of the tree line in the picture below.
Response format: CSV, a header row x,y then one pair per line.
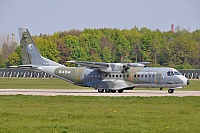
x,y
180,49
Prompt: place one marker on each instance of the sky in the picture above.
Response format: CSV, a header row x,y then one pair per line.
x,y
49,16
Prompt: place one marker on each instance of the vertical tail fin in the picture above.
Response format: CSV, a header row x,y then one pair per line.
x,y
30,53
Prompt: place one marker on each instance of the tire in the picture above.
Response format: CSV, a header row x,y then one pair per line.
x,y
171,91
113,91
100,90
120,91
107,90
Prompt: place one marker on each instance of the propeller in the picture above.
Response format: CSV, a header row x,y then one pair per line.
x,y
125,68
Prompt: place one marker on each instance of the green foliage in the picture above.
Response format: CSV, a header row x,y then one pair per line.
x,y
184,66
135,45
2,62
47,48
14,59
77,51
180,49
106,54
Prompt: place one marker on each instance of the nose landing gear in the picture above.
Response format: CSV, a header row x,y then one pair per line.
x,y
188,82
171,91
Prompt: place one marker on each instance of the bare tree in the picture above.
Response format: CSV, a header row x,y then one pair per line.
x,y
8,45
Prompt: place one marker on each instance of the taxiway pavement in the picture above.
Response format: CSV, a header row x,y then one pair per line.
x,y
67,92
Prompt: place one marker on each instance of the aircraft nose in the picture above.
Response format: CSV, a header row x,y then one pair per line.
x,y
188,82
185,80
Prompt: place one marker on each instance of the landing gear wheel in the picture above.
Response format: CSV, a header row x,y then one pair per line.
x,y
107,90
171,91
120,91
113,91
100,90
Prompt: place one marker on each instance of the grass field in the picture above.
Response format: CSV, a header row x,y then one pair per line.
x,y
36,83
62,114
27,83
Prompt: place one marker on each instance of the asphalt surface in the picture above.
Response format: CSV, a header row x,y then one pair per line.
x,y
67,92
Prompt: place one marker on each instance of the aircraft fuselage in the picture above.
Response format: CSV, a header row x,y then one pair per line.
x,y
134,77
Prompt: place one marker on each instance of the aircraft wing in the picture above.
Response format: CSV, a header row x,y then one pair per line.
x,y
108,67
91,64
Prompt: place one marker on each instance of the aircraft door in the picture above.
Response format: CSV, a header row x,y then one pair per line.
x,y
158,79
79,76
131,75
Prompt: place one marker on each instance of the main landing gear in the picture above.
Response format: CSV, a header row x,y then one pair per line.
x,y
100,90
108,91
112,91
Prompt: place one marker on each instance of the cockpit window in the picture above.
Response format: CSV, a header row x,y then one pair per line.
x,y
176,73
170,73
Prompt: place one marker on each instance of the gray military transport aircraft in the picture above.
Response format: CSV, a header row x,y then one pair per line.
x,y
104,77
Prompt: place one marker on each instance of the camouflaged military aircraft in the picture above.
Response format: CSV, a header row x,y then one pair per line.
x,y
104,77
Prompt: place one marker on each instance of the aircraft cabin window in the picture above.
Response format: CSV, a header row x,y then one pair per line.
x,y
134,76
109,75
116,75
149,76
120,76
145,76
113,75
138,76
127,76
142,76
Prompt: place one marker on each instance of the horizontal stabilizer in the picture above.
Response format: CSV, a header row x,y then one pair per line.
x,y
24,66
